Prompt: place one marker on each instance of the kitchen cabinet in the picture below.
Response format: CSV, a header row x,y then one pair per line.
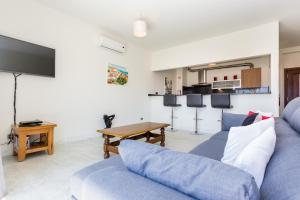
x,y
251,78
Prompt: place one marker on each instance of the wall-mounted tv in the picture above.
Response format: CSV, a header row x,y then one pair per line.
x,y
18,56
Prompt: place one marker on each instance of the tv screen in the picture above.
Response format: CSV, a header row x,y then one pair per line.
x,y
17,56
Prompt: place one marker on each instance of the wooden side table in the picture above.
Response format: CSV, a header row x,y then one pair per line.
x,y
23,132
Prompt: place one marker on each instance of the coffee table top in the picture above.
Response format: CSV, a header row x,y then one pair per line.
x,y
133,129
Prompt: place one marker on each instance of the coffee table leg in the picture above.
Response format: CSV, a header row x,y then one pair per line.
x,y
148,136
162,133
105,147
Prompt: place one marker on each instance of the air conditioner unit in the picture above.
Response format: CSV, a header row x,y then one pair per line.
x,y
111,44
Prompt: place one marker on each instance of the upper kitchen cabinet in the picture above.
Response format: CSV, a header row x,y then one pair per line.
x,y
251,78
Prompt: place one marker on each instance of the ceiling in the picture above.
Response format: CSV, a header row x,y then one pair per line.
x,y
173,22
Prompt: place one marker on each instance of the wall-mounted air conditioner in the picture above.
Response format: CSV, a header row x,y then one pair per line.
x,y
111,44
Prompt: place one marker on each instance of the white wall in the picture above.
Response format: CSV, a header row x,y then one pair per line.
x,y
179,81
257,41
158,81
289,58
190,78
79,95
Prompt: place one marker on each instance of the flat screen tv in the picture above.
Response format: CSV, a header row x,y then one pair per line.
x,y
18,56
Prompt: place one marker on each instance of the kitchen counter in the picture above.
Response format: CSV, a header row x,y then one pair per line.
x,y
261,90
210,117
158,95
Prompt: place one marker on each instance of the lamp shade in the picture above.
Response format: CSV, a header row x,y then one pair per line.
x,y
140,28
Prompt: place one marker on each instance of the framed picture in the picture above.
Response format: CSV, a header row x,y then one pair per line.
x,y
117,75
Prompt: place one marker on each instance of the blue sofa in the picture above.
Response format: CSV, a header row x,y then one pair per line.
x,y
110,179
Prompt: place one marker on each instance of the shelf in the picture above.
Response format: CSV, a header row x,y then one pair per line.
x,y
227,84
42,146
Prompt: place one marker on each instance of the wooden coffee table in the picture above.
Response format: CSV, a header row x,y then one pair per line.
x,y
133,132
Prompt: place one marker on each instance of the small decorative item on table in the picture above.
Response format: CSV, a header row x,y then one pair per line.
x,y
225,78
168,86
235,77
215,78
108,120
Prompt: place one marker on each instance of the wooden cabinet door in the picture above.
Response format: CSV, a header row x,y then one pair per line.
x,y
251,78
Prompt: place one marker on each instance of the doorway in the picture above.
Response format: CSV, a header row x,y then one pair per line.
x,y
291,84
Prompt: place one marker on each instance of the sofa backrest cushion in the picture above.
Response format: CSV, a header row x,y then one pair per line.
x,y
295,120
290,108
197,176
232,120
284,129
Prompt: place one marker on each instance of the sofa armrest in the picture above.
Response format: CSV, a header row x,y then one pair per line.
x,y
231,120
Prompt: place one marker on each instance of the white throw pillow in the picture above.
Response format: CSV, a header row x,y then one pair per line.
x,y
240,137
256,155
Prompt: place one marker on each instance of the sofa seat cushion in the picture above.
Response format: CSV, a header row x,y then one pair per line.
x,y
222,135
111,180
231,120
212,148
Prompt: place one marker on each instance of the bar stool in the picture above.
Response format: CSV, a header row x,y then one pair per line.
x,y
195,101
221,101
170,100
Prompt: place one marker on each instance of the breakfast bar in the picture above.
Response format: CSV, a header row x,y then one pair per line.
x,y
209,118
247,81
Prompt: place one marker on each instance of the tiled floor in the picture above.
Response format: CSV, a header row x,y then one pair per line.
x,y
46,177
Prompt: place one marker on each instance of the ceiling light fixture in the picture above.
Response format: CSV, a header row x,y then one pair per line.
x,y
140,28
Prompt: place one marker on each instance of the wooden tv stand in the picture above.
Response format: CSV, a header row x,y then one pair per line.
x,y
22,133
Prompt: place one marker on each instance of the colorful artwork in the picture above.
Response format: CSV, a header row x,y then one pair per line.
x,y
117,75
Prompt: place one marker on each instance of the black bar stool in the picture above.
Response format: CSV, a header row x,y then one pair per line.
x,y
221,101
170,100
195,101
